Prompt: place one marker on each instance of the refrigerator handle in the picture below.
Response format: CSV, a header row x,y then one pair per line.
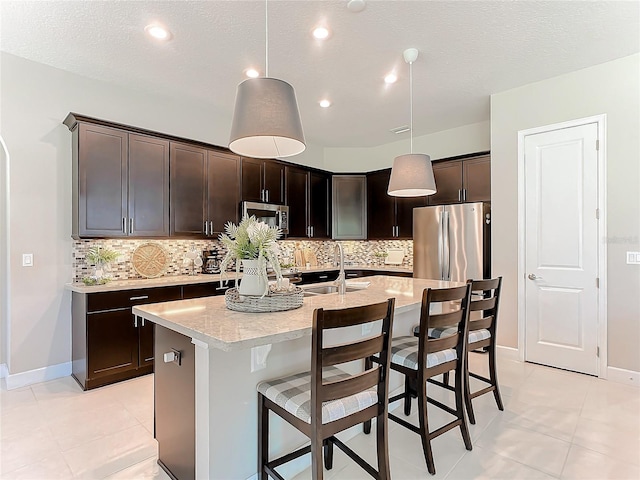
x,y
445,242
441,247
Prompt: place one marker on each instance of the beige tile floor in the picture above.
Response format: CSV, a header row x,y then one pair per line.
x,y
556,424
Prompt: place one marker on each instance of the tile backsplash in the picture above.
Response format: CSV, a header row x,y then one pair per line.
x,y
355,252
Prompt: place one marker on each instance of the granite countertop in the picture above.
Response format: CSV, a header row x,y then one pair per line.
x,y
172,280
208,320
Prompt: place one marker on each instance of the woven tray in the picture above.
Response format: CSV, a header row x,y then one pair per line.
x,y
274,302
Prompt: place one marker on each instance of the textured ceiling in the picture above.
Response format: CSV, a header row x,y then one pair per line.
x,y
468,50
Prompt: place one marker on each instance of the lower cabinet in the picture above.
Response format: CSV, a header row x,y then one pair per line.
x,y
174,403
108,343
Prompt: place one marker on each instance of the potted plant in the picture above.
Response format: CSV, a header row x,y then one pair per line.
x,y
254,244
100,258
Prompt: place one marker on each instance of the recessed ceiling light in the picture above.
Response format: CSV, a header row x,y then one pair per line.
x,y
399,130
391,78
356,6
252,73
158,32
324,103
321,33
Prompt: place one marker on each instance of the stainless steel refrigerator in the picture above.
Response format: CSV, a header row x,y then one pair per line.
x,y
452,242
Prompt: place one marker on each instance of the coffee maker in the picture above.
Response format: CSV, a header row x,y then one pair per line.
x,y
211,262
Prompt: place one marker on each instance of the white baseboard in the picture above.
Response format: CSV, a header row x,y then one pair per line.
x,y
620,375
4,371
507,353
300,464
38,375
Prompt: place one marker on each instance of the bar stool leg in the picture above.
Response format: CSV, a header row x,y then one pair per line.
x,y
460,409
328,454
424,425
494,377
467,392
382,446
407,395
263,435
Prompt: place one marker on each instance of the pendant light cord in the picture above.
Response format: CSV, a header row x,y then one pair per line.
x,y
411,104
266,39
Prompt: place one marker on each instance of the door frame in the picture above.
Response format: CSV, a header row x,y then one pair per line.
x,y
601,122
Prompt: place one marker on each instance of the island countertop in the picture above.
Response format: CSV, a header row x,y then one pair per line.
x,y
208,319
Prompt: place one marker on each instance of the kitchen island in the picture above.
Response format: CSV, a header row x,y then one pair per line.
x,y
234,351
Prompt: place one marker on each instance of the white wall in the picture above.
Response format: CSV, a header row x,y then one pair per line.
x,y
4,237
447,143
613,89
35,99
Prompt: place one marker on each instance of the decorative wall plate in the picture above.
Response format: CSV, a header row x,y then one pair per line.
x,y
150,260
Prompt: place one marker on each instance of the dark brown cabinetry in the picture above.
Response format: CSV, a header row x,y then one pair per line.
x,y
308,198
204,190
387,216
462,180
120,183
175,405
262,181
108,343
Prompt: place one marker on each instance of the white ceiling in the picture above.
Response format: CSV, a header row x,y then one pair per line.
x,y
468,50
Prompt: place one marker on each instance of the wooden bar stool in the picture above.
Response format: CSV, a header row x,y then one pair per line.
x,y
421,358
328,400
485,298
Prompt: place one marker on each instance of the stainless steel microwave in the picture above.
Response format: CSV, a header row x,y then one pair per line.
x,y
272,215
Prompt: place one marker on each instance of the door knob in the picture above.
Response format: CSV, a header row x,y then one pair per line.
x,y
532,276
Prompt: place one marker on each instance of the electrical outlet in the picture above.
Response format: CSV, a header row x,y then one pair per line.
x,y
27,259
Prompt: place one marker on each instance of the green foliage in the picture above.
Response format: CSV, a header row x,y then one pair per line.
x,y
251,240
101,256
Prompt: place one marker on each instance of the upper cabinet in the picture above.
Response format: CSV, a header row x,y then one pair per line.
x,y
349,214
120,183
308,195
262,181
205,190
462,180
389,217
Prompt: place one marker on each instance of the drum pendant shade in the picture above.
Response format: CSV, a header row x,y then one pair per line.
x,y
412,176
266,120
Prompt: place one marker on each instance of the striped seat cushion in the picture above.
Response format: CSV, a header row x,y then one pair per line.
x,y
404,351
293,393
474,335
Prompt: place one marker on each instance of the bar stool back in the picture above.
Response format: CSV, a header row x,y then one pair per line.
x,y
328,400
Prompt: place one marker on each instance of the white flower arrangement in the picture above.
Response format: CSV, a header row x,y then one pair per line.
x,y
251,240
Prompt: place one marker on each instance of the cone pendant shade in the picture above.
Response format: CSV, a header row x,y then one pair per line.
x,y
266,121
412,176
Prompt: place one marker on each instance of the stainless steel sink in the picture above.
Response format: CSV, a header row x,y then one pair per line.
x,y
311,291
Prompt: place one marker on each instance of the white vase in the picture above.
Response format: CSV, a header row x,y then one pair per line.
x,y
252,283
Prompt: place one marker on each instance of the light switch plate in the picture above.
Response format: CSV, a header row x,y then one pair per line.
x,y
633,258
27,259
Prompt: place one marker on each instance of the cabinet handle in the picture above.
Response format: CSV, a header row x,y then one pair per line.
x,y
130,225
141,297
124,225
352,274
464,194
459,194
211,227
323,277
267,195
311,231
206,228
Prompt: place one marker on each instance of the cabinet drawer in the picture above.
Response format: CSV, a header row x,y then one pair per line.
x,y
205,289
128,298
317,277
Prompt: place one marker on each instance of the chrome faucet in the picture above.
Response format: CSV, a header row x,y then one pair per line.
x,y
341,281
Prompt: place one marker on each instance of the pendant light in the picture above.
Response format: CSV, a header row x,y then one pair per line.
x,y
411,174
266,122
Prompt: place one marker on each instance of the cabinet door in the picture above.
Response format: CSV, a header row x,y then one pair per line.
x,y
223,187
146,334
274,181
188,190
380,206
349,207
477,179
148,187
297,195
448,177
112,343
252,184
102,181
319,204
404,210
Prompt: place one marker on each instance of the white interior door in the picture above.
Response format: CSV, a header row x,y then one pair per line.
x,y
561,248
